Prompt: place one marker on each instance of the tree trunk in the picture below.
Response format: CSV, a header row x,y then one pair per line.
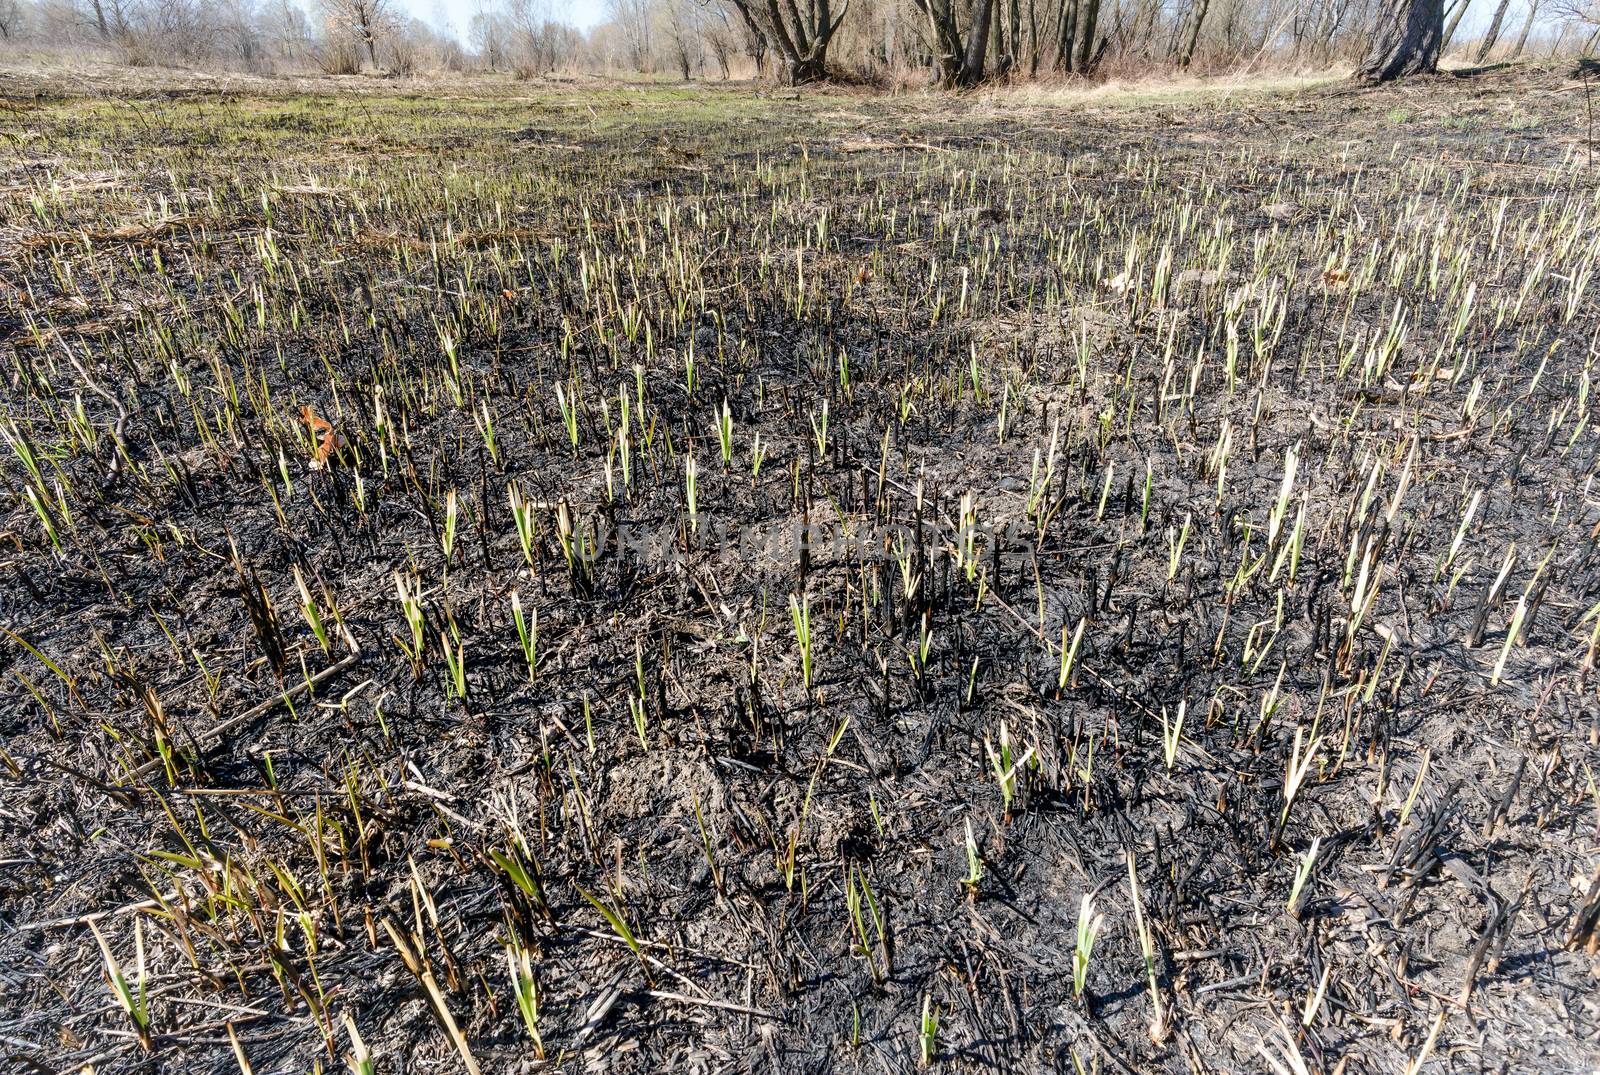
x,y
977,44
944,38
803,69
1492,34
1405,41
1456,12
368,38
100,21
1065,38
1033,38
1014,55
1527,24
755,38
997,37
1088,23
1194,32
800,40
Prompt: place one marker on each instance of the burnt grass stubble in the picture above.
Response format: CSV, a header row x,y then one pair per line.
x,y
197,269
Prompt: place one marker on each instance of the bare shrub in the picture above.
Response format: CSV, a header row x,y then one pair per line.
x,y
339,56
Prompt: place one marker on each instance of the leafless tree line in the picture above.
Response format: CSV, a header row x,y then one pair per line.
x,y
946,42
965,42
337,36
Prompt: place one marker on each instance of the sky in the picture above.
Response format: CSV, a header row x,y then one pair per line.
x,y
454,15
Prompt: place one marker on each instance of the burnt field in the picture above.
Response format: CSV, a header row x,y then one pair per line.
x,y
694,580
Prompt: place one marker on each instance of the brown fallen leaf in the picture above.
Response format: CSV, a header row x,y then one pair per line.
x,y
322,431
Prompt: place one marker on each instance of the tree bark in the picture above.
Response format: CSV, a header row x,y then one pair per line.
x,y
1492,34
1033,38
800,39
977,44
1194,32
1457,10
1065,39
1527,24
1406,40
997,39
942,28
1088,24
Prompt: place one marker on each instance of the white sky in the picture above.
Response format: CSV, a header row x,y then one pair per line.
x,y
454,15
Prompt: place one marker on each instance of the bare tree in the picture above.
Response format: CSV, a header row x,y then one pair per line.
x,y
1406,40
1492,34
960,54
753,36
180,29
720,38
1527,24
10,20
364,20
633,21
680,25
1454,12
1580,19
287,29
486,33
110,19
798,34
238,28
1076,26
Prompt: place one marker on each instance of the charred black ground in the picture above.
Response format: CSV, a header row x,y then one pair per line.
x,y
404,609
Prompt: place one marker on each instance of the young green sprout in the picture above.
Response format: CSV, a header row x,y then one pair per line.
x,y
974,862
1172,733
1007,770
1149,485
725,435
690,493
360,1058
447,539
526,991
527,634
705,843
800,613
928,1032
1089,925
569,414
522,516
1302,874
1069,653
455,659
1175,542
1280,509
636,702
920,651
758,455
617,919
411,607
1294,777
308,608
819,431
1147,948
861,905
134,1000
